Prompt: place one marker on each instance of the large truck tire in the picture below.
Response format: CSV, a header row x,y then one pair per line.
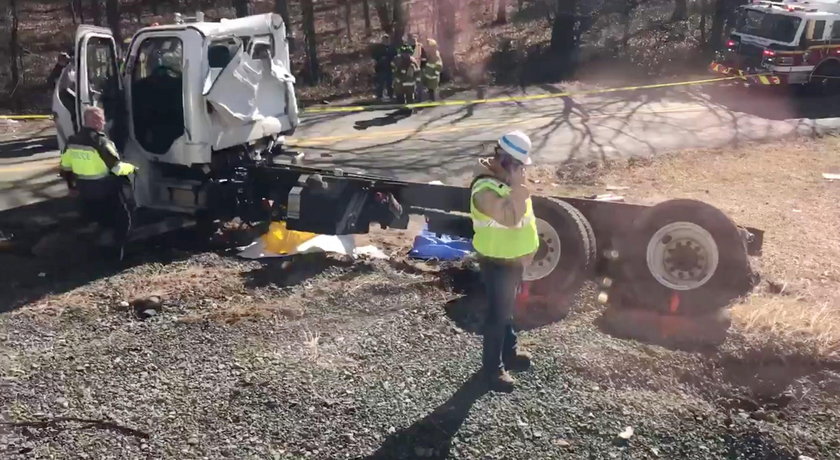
x,y
681,257
564,261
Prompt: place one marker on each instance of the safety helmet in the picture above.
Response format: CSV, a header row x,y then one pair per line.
x,y
518,145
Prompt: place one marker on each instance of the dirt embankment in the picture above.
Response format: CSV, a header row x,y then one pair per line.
x,y
326,358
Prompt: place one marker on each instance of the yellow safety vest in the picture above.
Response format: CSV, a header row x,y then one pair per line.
x,y
85,162
495,240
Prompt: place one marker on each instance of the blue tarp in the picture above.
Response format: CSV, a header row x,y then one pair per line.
x,y
428,246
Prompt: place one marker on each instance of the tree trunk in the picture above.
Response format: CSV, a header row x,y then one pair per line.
x,y
96,12
112,13
384,15
447,34
399,20
703,23
14,48
366,11
501,11
242,7
563,37
680,10
716,34
348,19
311,41
281,7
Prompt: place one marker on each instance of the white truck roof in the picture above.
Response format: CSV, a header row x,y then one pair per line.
x,y
810,6
263,24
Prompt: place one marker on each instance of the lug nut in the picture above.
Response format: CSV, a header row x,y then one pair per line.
x,y
611,254
606,282
603,297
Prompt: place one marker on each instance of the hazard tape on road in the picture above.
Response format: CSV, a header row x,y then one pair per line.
x,y
465,102
535,97
26,117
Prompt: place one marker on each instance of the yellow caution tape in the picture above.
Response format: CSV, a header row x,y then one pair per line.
x,y
770,79
25,117
535,97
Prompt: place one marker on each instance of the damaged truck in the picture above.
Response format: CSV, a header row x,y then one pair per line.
x,y
203,108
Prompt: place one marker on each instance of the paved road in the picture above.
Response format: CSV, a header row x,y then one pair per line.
x,y
442,143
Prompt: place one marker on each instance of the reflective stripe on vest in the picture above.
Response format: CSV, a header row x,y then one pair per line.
x,y
84,161
498,241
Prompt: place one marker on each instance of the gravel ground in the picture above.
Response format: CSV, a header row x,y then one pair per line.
x,y
333,359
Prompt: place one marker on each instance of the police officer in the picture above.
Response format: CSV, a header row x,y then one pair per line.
x,y
91,166
505,239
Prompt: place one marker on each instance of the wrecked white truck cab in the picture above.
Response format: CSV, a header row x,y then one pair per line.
x,y
190,99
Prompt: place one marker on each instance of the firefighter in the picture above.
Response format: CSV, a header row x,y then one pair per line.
x,y
91,166
406,72
432,70
505,240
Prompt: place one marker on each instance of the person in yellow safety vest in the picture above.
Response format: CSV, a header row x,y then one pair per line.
x,y
432,70
91,166
505,240
406,72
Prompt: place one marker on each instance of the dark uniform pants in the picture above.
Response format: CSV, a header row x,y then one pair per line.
x,y
501,281
110,203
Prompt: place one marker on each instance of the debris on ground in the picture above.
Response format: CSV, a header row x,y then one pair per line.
x,y
242,358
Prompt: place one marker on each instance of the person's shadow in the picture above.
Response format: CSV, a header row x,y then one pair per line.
x,y
431,436
384,120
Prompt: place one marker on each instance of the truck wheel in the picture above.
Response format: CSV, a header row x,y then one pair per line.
x,y
565,257
825,80
682,257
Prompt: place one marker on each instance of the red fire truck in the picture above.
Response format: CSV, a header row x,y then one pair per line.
x,y
789,42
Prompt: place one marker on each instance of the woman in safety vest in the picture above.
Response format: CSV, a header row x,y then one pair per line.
x,y
505,239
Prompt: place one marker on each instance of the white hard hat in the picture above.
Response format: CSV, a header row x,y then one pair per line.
x,y
518,145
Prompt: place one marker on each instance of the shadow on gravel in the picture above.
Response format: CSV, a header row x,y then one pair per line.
x,y
775,103
431,436
294,270
467,311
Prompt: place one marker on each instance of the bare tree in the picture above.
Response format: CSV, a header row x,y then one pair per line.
x,y
242,7
383,11
348,19
14,48
718,18
366,10
281,7
400,19
447,33
313,68
112,13
564,30
96,11
680,10
501,11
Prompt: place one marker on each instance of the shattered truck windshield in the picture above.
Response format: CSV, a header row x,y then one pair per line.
x,y
778,27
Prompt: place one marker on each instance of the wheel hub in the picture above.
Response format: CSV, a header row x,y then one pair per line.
x,y
547,256
682,256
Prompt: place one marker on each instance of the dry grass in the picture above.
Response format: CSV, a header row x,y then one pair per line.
x,y
778,188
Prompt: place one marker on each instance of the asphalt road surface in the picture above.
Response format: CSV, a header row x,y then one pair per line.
x,y
443,143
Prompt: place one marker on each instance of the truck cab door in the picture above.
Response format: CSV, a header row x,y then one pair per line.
x,y
98,80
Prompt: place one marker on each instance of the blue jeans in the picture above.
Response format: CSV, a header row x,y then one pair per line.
x,y
501,281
